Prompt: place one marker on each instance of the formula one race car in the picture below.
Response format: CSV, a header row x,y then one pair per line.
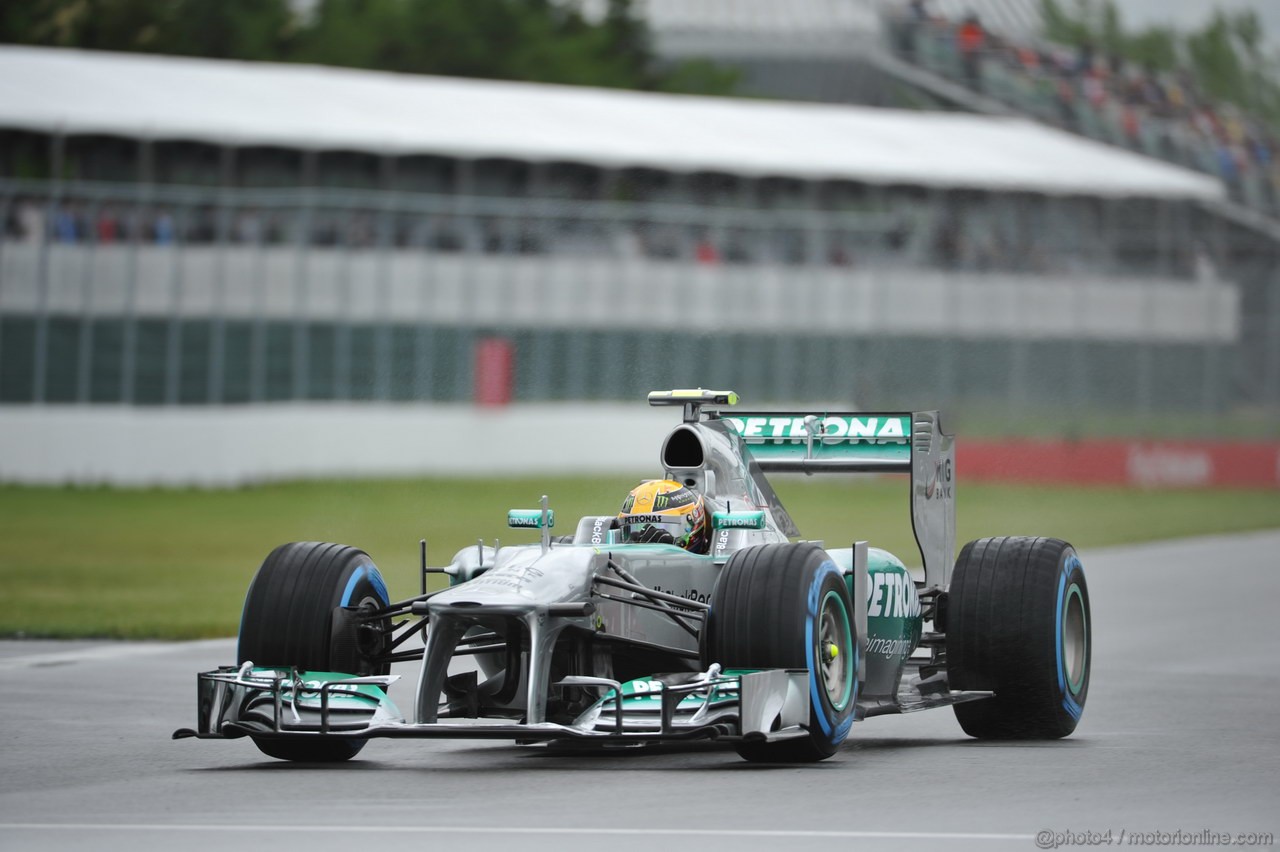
x,y
774,645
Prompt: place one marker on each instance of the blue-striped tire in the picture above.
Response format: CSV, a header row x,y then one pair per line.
x,y
289,621
787,606
1018,624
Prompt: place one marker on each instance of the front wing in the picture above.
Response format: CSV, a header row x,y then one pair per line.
x,y
758,706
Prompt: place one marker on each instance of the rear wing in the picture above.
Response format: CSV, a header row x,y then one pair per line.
x,y
865,442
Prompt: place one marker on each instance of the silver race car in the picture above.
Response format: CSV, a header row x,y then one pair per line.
x,y
625,634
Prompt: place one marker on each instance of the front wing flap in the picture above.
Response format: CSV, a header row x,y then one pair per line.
x,y
766,705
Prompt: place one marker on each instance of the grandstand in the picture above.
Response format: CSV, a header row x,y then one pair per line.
x,y
253,232
906,53
880,52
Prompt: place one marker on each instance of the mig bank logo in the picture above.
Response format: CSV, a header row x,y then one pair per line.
x,y
938,485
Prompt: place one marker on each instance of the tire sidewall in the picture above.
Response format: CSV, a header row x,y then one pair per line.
x,y
1071,585
364,585
832,722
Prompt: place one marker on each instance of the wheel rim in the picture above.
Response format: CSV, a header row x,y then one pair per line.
x,y
1075,639
369,638
835,651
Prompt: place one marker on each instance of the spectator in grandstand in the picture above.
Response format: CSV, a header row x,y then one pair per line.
x,y
324,232
31,221
106,228
737,246
444,234
493,238
1204,269
838,254
907,23
660,241
202,225
249,227
359,230
948,242
164,229
626,242
66,223
971,39
705,251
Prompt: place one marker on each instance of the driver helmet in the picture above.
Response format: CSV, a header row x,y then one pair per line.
x,y
660,508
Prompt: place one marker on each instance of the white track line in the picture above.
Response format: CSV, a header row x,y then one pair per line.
x,y
525,830
107,651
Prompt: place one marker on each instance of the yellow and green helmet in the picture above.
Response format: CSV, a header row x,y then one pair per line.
x,y
670,507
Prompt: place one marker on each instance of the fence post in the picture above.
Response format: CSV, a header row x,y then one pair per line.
x,y
218,322
386,243
6,203
258,324
40,363
173,336
84,353
1272,367
343,325
129,339
302,237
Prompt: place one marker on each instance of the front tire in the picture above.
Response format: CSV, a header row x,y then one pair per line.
x,y
1018,624
787,606
289,621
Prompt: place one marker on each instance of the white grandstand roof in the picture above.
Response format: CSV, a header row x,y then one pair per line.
x,y
300,106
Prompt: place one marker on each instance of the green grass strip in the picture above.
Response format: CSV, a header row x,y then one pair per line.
x,y
175,564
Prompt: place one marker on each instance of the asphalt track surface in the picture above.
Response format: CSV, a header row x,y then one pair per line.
x,y
1181,733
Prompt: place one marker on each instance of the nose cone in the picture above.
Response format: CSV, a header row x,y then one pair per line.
x,y
523,579
478,595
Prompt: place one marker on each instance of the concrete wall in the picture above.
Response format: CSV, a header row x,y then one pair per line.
x,y
227,446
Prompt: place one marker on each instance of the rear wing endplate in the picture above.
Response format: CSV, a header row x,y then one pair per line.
x,y
863,442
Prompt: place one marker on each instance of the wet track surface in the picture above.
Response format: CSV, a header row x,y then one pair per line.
x,y
1181,733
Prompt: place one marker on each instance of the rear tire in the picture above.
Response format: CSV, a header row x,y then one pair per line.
x,y
787,606
1018,624
288,621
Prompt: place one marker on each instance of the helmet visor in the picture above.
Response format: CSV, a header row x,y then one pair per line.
x,y
633,526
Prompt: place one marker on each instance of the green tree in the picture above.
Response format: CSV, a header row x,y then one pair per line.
x,y
240,29
1156,48
1064,28
1213,57
535,40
